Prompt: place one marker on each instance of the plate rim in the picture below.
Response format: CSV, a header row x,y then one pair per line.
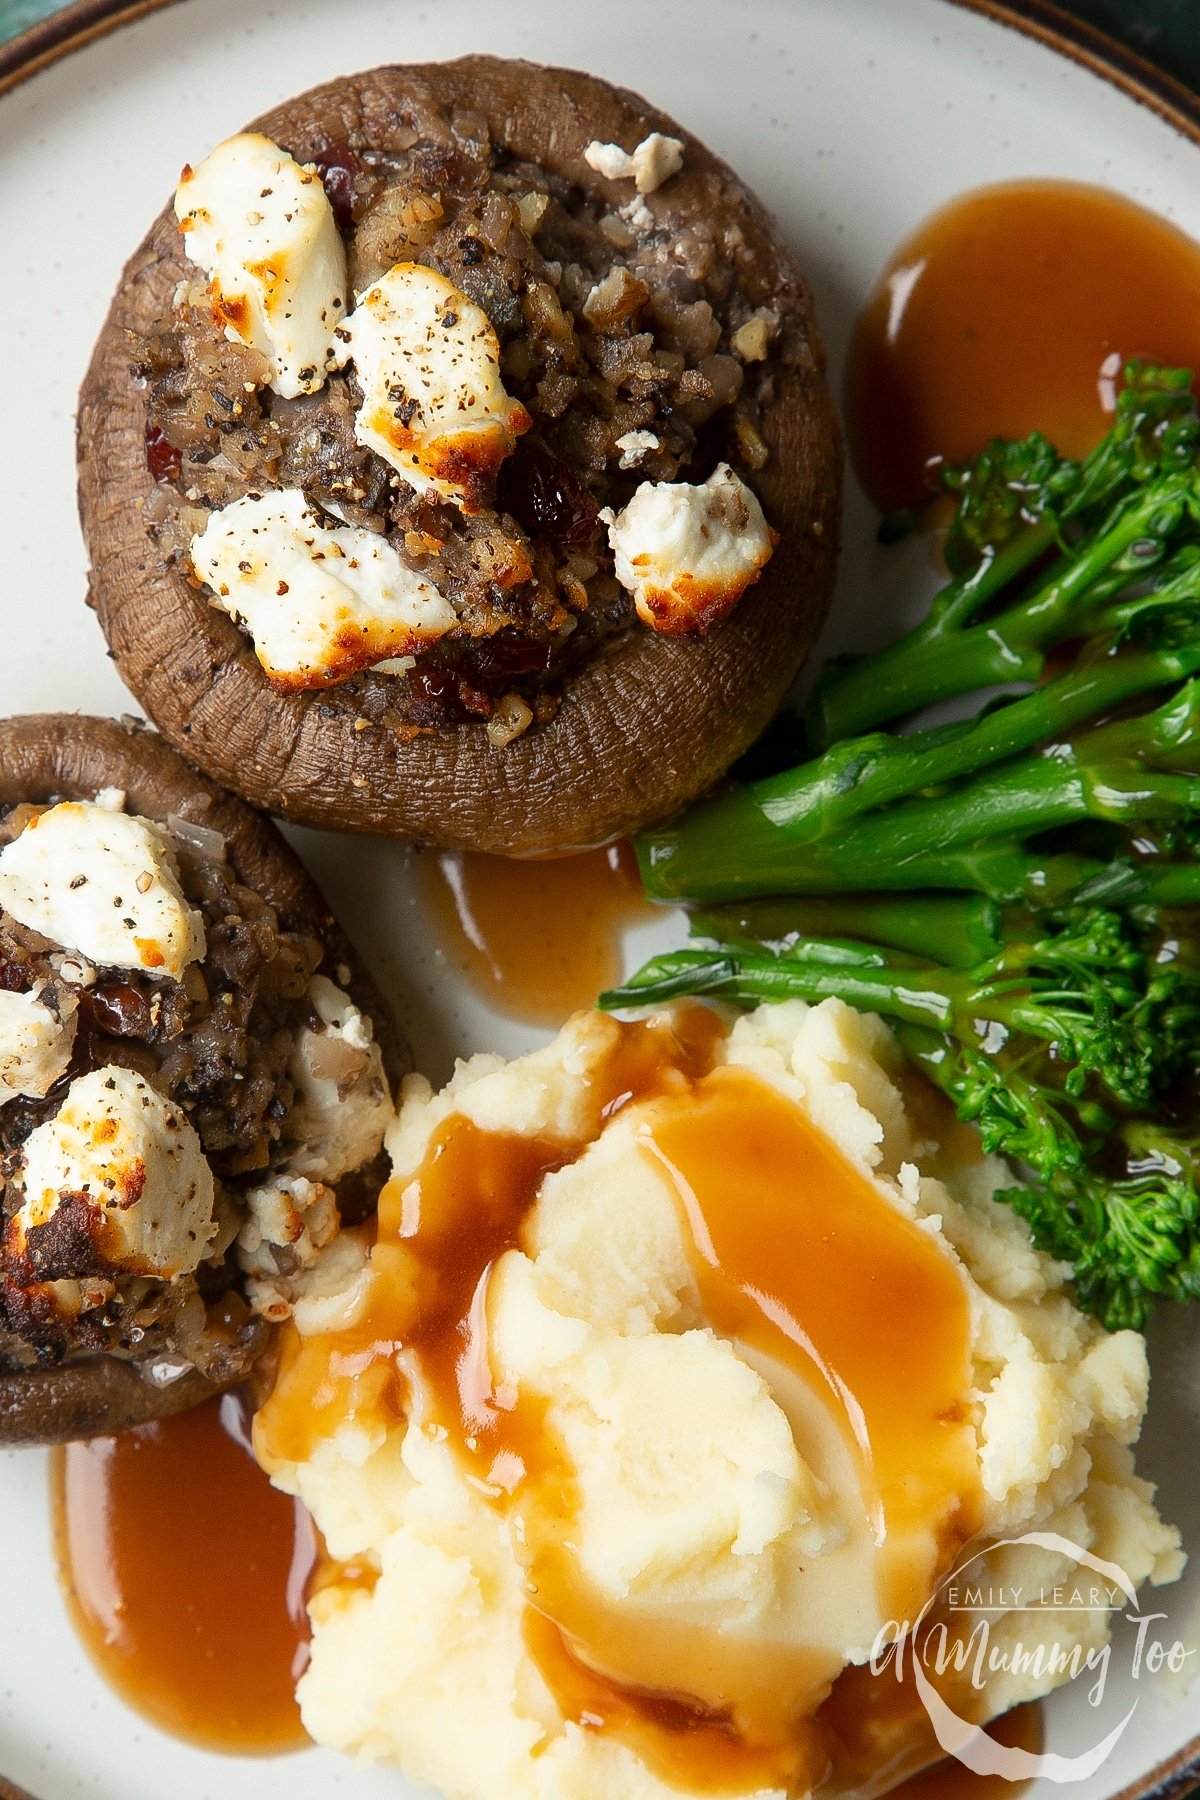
x,y
82,22
71,28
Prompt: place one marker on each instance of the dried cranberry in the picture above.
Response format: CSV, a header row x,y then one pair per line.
x,y
433,682
441,696
433,696
438,167
339,170
14,977
546,496
506,657
163,460
118,1008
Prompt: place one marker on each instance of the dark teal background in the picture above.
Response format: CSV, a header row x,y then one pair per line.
x,y
1166,31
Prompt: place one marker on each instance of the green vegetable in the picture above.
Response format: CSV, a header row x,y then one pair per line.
x,y
1015,892
1129,773
1126,1223
956,929
1090,991
741,840
1113,518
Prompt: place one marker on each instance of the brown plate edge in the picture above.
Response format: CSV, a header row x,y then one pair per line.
x,y
1136,77
83,21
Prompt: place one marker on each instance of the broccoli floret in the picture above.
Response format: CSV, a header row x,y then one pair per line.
x,y
1112,518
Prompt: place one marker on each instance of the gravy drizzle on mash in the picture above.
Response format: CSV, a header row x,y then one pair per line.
x,y
786,1294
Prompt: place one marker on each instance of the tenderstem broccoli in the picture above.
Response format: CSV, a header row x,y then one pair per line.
x,y
1113,518
1128,772
1089,991
1015,892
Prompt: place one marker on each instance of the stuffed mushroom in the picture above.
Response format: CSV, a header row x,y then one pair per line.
x,y
456,462
195,1080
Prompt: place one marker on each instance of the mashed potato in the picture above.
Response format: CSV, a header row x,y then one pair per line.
x,y
650,1409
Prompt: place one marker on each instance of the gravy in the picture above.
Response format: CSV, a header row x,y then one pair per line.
x,y
186,1573
537,939
1010,310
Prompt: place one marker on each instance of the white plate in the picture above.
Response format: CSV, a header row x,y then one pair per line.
x,y
852,122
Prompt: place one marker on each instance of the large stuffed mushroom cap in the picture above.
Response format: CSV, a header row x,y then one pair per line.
x,y
52,1392
652,719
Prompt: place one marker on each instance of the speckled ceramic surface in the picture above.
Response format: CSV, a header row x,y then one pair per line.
x,y
853,122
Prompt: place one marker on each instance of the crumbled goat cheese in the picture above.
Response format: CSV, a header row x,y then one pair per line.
x,y
434,405
131,1170
654,161
288,1220
342,1103
319,602
35,1043
261,227
635,446
687,553
103,883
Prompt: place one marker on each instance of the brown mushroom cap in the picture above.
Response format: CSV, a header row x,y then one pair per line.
x,y
644,728
65,756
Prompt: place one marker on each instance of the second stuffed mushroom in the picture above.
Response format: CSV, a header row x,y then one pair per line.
x,y
195,1081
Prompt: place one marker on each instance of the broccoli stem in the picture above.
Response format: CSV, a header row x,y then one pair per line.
x,y
1013,876
967,595
747,978
1027,797
1168,738
1003,870
1080,995
766,823
921,668
945,841
958,930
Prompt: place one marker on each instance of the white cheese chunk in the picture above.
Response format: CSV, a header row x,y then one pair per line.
x,y
130,1163
288,1221
651,163
343,1106
428,363
687,553
103,883
319,601
76,970
635,446
261,227
35,1043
